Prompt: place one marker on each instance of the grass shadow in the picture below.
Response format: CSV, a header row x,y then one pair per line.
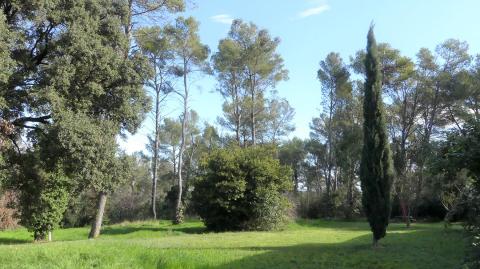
x,y
420,248
123,230
358,225
13,241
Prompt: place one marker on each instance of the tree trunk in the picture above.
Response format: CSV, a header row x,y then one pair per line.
x,y
97,223
128,26
375,242
179,208
252,118
295,178
408,216
155,155
174,158
238,117
154,191
237,132
349,214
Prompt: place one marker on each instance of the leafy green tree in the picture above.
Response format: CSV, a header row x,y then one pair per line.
x,y
75,40
86,148
472,101
211,138
456,164
438,77
192,143
130,200
376,170
7,64
170,135
248,64
191,56
228,68
316,165
403,113
276,122
6,69
137,11
242,189
26,43
156,46
348,152
336,90
399,79
293,154
43,196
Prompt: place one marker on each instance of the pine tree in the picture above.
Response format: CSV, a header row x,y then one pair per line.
x,y
376,170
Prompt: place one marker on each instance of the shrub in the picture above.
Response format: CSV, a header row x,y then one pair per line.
x,y
242,189
43,198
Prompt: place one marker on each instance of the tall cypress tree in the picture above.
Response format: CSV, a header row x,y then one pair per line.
x,y
376,170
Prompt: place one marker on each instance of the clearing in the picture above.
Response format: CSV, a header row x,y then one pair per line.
x,y
304,244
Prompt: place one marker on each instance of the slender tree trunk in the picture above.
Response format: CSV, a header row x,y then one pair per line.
x,y
405,211
190,161
330,145
295,178
174,159
252,118
349,214
237,116
237,131
374,242
179,207
154,190
155,155
128,26
97,223
252,111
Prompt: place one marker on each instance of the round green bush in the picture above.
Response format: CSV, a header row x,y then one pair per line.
x,y
242,189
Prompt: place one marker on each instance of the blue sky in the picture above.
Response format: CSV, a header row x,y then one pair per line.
x,y
309,30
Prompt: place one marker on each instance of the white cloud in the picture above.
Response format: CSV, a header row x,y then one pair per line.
x,y
133,143
314,10
222,18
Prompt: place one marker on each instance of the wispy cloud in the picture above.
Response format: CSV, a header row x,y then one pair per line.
x,y
319,8
222,18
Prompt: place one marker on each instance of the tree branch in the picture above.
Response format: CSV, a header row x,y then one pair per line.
x,y
42,119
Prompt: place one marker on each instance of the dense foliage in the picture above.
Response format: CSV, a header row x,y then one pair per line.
x,y
376,169
242,189
457,165
43,196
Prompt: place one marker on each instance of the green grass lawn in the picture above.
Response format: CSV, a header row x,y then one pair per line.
x,y
304,244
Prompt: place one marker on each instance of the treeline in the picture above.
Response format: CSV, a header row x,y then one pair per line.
x,y
426,99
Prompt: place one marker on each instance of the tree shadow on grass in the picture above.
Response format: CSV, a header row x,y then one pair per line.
x,y
122,230
421,248
116,230
13,241
357,225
